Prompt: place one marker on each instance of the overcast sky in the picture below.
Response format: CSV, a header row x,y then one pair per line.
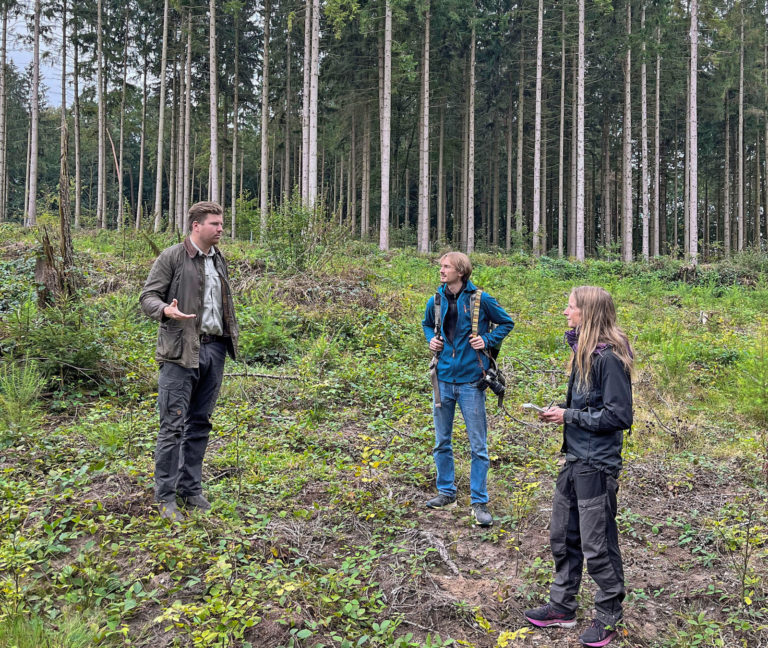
x,y
20,52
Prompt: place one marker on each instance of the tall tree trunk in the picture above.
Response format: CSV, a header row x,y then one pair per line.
x,y
727,184
365,207
705,246
574,149
508,223
385,117
561,148
351,224
188,176
626,232
213,95
644,140
179,181
537,134
173,221
663,213
765,119
140,193
158,211
31,215
353,179
756,221
471,147
693,147
101,216
520,151
76,116
287,137
655,247
543,222
26,177
675,239
687,168
314,78
121,145
441,180
464,166
264,190
740,143
305,102
423,229
67,255
235,119
407,198
495,198
3,116
606,171
107,138
580,140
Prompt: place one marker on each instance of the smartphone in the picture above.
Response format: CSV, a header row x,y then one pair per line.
x,y
534,407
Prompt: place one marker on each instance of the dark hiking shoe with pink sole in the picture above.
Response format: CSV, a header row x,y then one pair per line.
x,y
546,617
598,634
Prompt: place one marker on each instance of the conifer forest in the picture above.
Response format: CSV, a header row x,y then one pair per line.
x,y
352,143
563,128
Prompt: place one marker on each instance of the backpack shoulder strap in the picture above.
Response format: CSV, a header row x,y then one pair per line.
x,y
474,305
438,314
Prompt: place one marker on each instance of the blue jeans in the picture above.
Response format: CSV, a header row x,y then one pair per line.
x,y
471,400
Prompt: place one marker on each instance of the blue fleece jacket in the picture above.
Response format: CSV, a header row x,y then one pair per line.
x,y
458,361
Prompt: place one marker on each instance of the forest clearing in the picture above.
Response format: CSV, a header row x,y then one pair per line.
x,y
349,143
320,460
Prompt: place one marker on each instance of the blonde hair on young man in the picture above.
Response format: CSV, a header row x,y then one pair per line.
x,y
598,325
460,261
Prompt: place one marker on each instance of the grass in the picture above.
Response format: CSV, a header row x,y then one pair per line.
x,y
70,631
317,473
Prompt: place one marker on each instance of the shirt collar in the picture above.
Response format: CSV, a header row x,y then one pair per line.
x,y
211,252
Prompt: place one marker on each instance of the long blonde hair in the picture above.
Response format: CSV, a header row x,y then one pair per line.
x,y
597,326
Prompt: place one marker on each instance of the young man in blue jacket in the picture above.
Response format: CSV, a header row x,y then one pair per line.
x,y
460,367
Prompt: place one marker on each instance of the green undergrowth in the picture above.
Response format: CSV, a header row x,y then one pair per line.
x,y
321,455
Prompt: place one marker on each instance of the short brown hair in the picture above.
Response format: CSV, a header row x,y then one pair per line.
x,y
460,261
200,211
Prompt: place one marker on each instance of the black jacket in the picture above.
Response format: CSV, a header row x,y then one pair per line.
x,y
595,420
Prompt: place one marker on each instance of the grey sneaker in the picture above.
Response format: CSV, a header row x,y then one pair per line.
x,y
482,515
169,511
442,501
196,501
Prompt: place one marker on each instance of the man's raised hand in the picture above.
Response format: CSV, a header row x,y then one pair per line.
x,y
172,312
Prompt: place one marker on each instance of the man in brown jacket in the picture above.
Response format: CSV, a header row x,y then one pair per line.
x,y
188,292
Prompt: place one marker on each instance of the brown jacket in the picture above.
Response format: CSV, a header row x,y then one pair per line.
x,y
179,272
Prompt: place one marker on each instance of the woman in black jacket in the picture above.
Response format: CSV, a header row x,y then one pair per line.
x,y
597,410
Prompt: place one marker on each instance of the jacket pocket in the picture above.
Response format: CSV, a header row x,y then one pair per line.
x,y
169,342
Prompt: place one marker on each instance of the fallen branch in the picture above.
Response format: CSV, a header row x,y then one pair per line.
x,y
249,374
441,551
653,411
416,625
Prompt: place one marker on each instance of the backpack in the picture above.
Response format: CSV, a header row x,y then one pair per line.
x,y
492,377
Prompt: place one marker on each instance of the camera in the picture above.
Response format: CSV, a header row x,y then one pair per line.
x,y
494,380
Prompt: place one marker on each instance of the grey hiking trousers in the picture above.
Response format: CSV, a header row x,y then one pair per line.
x,y
584,526
185,401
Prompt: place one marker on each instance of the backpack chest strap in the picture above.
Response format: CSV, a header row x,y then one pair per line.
x,y
474,305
